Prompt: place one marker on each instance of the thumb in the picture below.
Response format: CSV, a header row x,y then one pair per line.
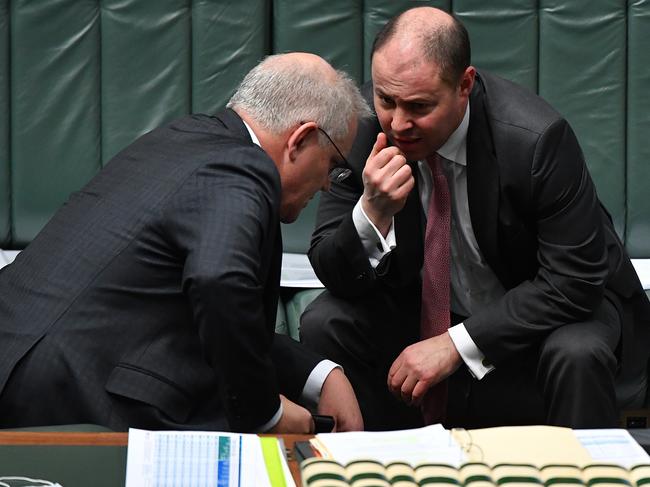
x,y
380,143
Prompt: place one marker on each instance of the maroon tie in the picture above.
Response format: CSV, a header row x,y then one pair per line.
x,y
435,281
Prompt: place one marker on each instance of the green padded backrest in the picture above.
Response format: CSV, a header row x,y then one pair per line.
x,y
163,59
81,80
55,107
329,28
5,183
638,129
582,73
504,39
333,33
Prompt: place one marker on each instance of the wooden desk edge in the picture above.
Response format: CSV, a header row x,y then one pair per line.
x,y
63,438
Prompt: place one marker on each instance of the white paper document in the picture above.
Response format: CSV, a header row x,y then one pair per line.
x,y
298,272
612,446
196,459
429,444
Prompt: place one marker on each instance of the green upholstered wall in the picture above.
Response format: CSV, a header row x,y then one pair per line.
x,y
81,80
5,183
637,156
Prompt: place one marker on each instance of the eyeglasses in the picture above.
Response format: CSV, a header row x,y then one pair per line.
x,y
338,173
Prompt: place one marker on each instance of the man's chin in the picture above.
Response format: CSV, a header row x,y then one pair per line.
x,y
289,216
288,219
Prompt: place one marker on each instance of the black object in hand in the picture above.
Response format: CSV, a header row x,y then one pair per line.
x,y
322,423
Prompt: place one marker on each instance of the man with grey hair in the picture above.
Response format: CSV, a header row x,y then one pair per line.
x,y
149,300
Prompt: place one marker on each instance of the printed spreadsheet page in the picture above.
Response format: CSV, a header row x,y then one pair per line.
x,y
197,459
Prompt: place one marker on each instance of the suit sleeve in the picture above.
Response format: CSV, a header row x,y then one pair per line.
x,y
336,252
293,364
571,253
224,223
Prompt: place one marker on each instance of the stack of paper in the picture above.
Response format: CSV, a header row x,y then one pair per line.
x,y
413,446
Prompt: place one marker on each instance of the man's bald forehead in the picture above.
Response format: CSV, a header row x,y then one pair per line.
x,y
415,24
431,34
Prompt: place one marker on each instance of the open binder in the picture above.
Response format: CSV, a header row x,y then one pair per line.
x,y
320,472
523,456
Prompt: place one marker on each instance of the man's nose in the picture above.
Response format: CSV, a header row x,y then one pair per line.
x,y
401,121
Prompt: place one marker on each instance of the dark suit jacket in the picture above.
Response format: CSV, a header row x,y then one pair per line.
x,y
157,284
536,217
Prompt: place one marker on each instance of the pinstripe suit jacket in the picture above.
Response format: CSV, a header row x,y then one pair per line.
x,y
150,297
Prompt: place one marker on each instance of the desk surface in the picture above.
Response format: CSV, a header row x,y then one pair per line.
x,y
65,457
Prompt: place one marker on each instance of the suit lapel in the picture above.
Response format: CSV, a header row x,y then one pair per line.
x,y
483,179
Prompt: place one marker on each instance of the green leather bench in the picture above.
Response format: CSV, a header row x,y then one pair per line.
x,y
81,80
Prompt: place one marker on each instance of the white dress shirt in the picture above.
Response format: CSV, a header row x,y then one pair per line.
x,y
473,283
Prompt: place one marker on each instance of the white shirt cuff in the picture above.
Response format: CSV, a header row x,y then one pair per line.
x,y
371,238
311,392
271,422
469,352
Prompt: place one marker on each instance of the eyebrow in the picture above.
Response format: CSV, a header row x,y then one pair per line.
x,y
416,99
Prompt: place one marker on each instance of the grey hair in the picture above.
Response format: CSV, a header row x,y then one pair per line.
x,y
280,95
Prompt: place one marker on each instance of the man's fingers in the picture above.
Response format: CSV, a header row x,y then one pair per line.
x,y
419,391
406,391
383,154
399,171
394,161
380,143
396,377
393,369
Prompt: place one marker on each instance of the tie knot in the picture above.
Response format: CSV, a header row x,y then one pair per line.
x,y
435,164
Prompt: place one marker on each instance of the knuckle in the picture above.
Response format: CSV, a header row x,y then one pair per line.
x,y
373,179
427,376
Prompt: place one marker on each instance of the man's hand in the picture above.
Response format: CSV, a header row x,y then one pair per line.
x,y
422,365
337,399
387,181
295,419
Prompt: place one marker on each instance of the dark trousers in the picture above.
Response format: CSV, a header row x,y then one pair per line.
x,y
566,380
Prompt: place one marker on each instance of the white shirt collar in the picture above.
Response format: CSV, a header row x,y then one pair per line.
x,y
455,149
256,141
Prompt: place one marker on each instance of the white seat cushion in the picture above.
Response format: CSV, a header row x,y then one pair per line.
x,y
642,267
296,271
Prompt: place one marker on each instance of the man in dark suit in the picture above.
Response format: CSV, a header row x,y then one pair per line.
x,y
547,313
149,300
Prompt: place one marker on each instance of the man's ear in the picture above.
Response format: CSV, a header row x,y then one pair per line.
x,y
296,141
467,81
